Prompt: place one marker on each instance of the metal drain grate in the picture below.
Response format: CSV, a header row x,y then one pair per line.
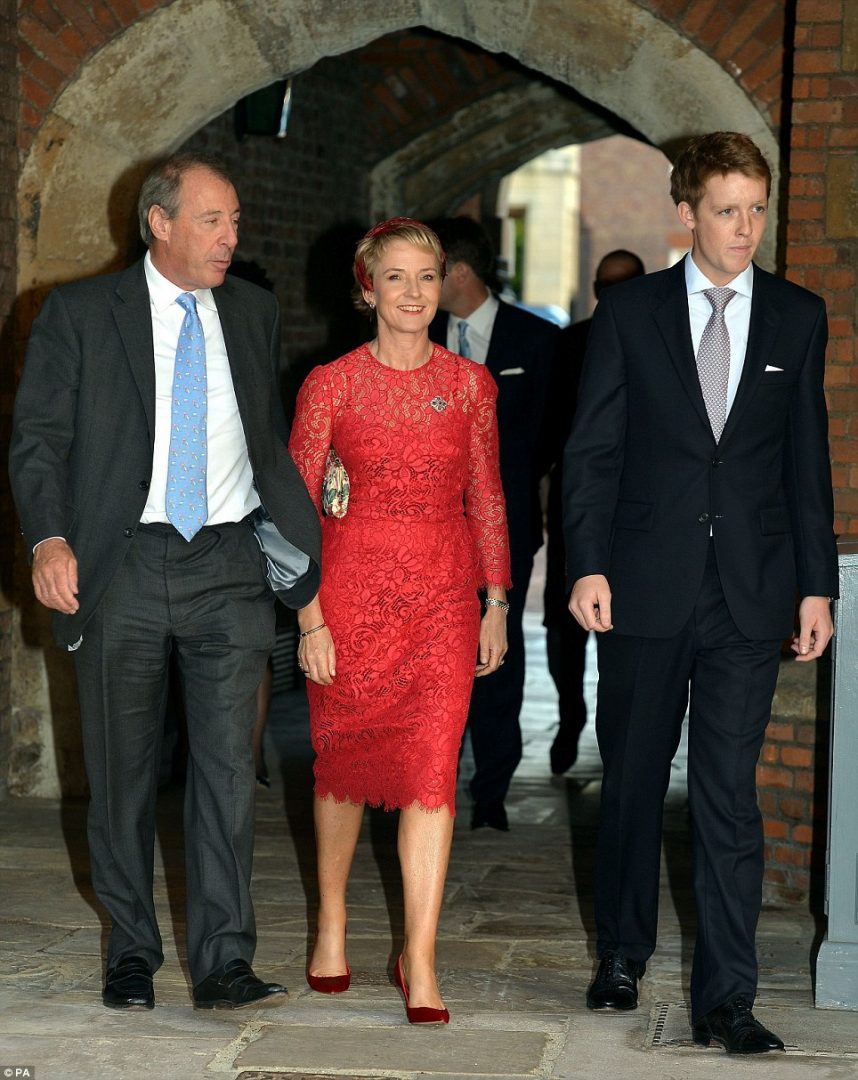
x,y
668,1026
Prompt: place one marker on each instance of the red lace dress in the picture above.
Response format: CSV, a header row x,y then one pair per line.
x,y
425,528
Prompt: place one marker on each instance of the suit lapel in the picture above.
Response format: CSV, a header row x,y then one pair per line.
x,y
671,318
499,343
438,328
764,324
236,338
134,322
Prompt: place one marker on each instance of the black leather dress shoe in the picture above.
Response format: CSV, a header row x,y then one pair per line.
x,y
734,1027
491,814
564,750
128,985
616,983
234,986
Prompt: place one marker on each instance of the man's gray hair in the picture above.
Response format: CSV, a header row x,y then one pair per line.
x,y
161,187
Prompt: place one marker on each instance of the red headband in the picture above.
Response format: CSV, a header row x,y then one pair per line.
x,y
379,229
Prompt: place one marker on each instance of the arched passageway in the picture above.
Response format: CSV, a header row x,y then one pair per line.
x,y
134,99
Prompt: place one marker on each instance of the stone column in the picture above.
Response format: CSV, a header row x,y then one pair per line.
x,y
837,963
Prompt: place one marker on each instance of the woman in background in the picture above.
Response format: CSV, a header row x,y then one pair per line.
x,y
390,642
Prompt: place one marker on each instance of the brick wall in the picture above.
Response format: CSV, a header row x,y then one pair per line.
x,y
638,215
792,784
745,38
303,201
822,236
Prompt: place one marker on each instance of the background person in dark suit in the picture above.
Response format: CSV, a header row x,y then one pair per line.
x,y
565,640
108,451
517,348
697,503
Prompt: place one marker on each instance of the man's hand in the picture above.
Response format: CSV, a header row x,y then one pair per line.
x,y
55,576
815,628
590,603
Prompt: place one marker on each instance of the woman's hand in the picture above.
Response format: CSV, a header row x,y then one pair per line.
x,y
317,656
316,653
493,643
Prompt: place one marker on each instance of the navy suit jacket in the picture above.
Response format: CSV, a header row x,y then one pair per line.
x,y
83,436
520,355
645,483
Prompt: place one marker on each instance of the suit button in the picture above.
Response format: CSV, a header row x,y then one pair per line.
x,y
143,485
716,462
703,518
129,533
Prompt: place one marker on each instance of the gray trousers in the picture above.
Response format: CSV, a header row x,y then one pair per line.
x,y
207,602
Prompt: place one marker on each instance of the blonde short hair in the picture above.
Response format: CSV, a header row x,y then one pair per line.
x,y
372,247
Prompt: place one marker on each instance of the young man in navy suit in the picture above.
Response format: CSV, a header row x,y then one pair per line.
x,y
697,505
517,348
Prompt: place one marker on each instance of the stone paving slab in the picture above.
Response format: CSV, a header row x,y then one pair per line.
x,y
471,1045
805,1031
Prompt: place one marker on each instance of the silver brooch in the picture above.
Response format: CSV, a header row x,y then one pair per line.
x,y
438,404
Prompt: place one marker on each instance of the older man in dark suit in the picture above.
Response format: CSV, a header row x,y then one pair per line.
x,y
147,433
698,502
517,348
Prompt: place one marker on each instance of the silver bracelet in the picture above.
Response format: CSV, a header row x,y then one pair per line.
x,y
492,602
306,633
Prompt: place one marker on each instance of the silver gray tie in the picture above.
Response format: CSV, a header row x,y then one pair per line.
x,y
713,360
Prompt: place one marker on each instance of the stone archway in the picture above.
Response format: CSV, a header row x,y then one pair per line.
x,y
148,88
135,100
479,145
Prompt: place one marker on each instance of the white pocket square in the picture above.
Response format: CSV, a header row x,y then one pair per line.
x,y
512,371
770,367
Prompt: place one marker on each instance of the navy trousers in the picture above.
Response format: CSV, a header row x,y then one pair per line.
x,y
644,689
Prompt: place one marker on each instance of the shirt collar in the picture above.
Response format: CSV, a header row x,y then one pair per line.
x,y
163,293
696,281
481,319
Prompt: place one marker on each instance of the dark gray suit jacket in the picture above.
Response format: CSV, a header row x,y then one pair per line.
x,y
84,425
645,483
522,345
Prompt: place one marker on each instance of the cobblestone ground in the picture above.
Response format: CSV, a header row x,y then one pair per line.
x,y
515,951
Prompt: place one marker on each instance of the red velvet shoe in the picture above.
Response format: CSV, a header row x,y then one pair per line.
x,y
330,984
421,1014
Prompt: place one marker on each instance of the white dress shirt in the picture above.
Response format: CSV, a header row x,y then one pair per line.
x,y
229,477
737,317
480,324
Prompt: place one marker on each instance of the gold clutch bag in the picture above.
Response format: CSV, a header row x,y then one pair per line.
x,y
335,487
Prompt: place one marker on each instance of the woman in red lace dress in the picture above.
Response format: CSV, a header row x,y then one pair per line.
x,y
390,644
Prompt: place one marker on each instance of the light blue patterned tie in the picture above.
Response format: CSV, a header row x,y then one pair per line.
x,y
464,344
187,506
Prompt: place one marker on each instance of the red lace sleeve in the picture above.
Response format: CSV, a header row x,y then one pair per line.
x,y
485,506
311,431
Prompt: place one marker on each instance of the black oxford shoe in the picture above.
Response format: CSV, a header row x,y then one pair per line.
x,y
128,985
616,983
234,986
492,814
564,751
734,1027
